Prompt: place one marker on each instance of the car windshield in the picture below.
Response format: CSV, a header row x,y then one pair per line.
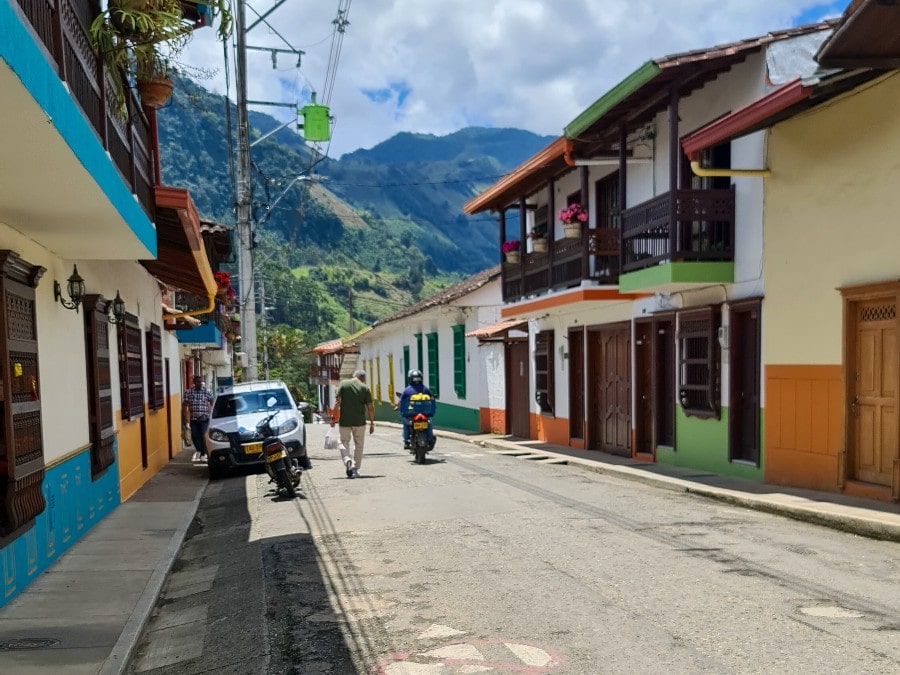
x,y
230,405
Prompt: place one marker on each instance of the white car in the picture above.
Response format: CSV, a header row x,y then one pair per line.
x,y
232,440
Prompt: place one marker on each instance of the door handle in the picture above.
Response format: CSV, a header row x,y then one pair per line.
x,y
854,405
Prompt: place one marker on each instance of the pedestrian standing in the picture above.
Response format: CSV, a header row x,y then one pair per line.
x,y
197,408
353,402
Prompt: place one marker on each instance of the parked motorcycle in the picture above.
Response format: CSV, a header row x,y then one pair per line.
x,y
421,429
282,469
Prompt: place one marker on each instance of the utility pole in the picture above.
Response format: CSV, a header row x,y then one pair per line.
x,y
243,201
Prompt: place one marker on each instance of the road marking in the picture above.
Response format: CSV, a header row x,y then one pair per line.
x,y
472,656
532,656
458,651
438,631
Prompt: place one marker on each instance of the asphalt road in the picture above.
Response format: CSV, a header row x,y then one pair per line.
x,y
479,562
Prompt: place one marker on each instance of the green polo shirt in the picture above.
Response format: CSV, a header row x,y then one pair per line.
x,y
354,397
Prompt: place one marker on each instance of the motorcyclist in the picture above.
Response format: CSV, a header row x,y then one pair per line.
x,y
415,385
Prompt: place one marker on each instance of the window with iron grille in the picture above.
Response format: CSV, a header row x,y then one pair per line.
x,y
101,430
459,360
543,371
155,387
699,362
434,375
131,368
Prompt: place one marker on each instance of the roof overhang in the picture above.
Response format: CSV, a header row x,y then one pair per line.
x,y
868,36
781,104
497,331
181,259
528,177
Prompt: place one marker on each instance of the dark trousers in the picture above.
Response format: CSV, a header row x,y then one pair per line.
x,y
198,431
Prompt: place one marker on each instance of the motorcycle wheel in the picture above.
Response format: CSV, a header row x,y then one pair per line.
x,y
420,451
285,481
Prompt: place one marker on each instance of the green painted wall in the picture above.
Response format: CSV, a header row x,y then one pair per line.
x,y
450,417
677,273
703,444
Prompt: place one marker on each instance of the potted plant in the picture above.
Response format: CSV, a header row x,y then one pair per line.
x,y
139,39
538,236
510,249
573,217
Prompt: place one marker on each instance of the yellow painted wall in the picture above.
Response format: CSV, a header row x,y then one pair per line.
x,y
132,473
831,208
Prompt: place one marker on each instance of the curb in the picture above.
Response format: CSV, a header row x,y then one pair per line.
x,y
122,652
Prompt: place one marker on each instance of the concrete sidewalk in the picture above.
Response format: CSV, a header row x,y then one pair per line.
x,y
85,614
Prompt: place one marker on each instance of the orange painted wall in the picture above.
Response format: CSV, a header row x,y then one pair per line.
x,y
804,425
132,473
492,421
550,429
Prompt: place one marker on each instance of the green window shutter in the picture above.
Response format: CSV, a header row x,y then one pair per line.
x,y
434,375
459,360
420,363
405,363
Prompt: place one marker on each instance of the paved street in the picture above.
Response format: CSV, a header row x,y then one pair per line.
x,y
480,562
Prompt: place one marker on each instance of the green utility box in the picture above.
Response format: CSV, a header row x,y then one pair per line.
x,y
316,122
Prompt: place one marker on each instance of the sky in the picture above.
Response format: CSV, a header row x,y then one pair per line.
x,y
437,66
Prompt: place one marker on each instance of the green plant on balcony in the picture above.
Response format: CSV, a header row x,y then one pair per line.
x,y
140,40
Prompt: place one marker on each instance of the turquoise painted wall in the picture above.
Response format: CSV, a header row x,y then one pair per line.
x,y
74,505
703,444
450,417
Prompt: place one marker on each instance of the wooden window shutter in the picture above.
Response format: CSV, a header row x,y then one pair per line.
x,y
434,375
543,371
21,434
459,360
131,371
698,362
101,429
155,385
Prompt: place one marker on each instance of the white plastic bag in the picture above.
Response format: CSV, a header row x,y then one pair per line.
x,y
332,439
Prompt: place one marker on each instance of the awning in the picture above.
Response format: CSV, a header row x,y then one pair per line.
x,y
181,259
496,331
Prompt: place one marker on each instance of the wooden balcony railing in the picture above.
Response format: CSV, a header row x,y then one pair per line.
x,y
593,256
679,226
325,373
62,27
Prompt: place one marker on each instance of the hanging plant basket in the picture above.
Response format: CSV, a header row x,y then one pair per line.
x,y
539,244
572,230
155,91
512,257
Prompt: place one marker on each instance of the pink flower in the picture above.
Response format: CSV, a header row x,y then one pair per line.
x,y
573,213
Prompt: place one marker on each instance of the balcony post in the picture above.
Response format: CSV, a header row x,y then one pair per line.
x,y
623,184
674,162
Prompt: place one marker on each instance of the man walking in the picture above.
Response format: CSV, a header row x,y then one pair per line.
x,y
353,401
197,407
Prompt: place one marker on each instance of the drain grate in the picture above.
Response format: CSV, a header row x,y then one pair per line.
x,y
28,643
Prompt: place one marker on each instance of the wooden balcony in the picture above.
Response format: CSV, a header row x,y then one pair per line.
x,y
324,374
62,27
593,256
679,226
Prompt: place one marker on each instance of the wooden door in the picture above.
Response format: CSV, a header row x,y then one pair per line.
x,y
517,388
643,384
744,367
609,368
576,383
664,382
873,391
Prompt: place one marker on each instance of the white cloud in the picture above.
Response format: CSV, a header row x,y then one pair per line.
x,y
433,66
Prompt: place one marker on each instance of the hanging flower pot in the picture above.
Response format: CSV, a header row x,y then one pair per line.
x,y
572,230
513,257
155,91
539,244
